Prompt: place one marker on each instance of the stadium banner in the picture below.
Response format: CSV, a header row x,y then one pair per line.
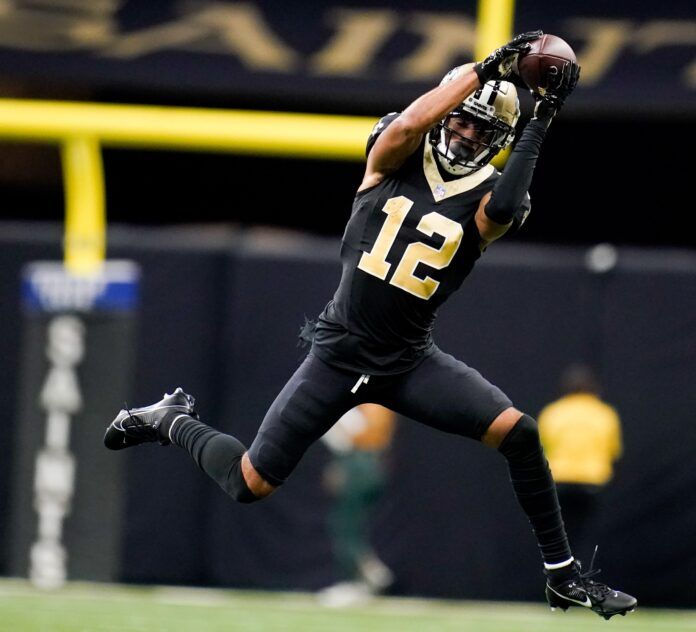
x,y
635,55
76,363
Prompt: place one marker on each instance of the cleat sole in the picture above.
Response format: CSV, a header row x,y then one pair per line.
x,y
609,615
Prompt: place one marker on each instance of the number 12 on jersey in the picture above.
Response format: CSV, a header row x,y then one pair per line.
x,y
375,262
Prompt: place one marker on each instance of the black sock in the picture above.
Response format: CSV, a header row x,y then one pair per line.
x,y
217,454
559,575
535,489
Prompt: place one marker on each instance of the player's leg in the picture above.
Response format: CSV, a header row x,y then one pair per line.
x,y
312,400
579,504
174,420
516,437
446,394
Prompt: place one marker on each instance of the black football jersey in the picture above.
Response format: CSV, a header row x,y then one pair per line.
x,y
410,242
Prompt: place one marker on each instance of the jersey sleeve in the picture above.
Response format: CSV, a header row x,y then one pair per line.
x,y
379,127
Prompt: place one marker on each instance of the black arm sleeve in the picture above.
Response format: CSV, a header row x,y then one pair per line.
x,y
510,190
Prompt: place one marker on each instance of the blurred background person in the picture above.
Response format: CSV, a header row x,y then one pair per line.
x,y
356,478
581,435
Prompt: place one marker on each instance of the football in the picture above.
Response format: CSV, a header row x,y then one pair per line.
x,y
547,52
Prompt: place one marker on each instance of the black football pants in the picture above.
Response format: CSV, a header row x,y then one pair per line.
x,y
441,392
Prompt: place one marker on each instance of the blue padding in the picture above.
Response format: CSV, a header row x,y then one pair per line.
x,y
48,287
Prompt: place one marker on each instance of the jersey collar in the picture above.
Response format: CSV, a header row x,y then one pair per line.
x,y
441,189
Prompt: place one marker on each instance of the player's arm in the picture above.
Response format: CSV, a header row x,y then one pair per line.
x,y
497,209
491,230
403,136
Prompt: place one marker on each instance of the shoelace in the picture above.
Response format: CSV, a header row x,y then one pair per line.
x,y
137,426
594,589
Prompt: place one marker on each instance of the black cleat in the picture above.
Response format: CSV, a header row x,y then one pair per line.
x,y
139,425
582,591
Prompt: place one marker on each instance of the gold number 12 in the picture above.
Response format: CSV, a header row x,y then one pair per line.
x,y
375,262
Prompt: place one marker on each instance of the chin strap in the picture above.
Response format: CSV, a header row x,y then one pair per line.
x,y
443,153
455,170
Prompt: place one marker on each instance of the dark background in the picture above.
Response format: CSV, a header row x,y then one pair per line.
x,y
613,167
450,521
617,180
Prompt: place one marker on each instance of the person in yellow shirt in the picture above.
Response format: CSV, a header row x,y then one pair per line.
x,y
581,435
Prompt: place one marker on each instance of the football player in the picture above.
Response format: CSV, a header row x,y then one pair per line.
x,y
428,206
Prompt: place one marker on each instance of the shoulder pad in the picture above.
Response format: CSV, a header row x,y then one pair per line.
x,y
379,127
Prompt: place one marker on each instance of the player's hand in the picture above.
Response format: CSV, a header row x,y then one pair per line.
x,y
546,107
550,100
499,64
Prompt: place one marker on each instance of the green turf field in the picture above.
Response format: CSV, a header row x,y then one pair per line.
x,y
97,607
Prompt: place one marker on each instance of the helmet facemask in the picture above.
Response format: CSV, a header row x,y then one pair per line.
x,y
465,151
470,136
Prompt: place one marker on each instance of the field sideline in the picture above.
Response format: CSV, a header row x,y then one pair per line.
x,y
83,607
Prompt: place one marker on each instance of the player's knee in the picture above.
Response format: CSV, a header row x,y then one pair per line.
x,y
527,430
500,427
522,438
240,492
234,485
253,486
239,485
250,494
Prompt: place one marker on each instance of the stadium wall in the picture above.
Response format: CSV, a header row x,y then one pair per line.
x,y
219,316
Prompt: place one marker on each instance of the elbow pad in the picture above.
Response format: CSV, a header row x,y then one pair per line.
x,y
509,192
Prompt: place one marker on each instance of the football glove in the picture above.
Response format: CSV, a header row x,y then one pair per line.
x,y
499,64
550,99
